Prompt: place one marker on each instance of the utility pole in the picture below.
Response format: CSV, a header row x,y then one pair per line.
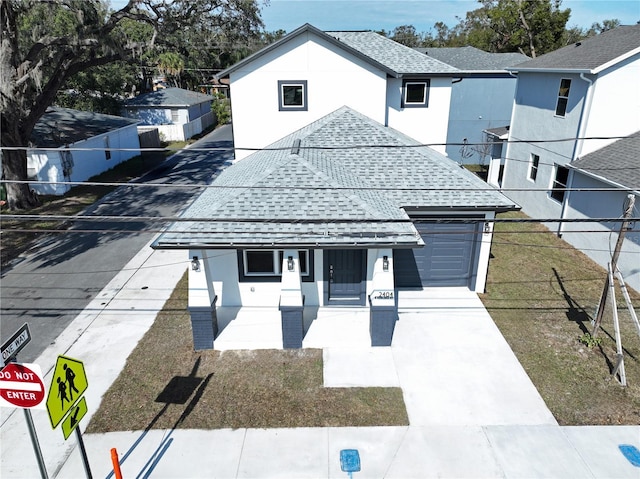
x,y
631,200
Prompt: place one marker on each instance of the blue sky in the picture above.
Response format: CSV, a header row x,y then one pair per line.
x,y
422,14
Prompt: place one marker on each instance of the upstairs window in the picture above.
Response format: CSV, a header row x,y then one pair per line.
x,y
563,97
560,183
292,95
533,167
415,93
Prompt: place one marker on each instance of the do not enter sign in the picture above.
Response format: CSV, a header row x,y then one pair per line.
x,y
21,386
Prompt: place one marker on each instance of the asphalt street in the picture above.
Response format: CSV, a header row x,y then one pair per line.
x,y
53,282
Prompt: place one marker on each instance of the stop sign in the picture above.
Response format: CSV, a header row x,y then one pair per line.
x,y
21,386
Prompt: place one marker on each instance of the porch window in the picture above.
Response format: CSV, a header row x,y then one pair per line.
x,y
415,93
292,95
533,167
560,183
563,97
265,264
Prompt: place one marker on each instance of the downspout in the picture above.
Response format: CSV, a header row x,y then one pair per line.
x,y
577,149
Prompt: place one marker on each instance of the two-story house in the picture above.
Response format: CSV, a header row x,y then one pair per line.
x,y
310,73
585,90
571,107
481,99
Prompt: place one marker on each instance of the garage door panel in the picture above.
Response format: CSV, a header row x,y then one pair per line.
x,y
447,259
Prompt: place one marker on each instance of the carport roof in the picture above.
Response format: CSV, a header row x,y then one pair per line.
x,y
344,180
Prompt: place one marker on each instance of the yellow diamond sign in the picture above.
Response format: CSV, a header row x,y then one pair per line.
x,y
67,385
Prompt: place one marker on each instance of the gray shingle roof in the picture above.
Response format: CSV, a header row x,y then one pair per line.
x,y
62,126
589,55
397,57
346,185
473,59
385,54
617,163
168,97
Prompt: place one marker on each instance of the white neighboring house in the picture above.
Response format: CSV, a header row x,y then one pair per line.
x,y
177,113
615,167
72,146
310,73
587,89
481,98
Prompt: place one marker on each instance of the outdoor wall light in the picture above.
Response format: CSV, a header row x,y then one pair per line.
x,y
487,227
290,263
195,264
385,263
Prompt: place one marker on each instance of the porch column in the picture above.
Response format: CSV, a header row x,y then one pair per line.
x,y
202,301
383,310
291,301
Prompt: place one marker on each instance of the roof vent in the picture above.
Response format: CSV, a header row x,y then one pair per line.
x,y
295,149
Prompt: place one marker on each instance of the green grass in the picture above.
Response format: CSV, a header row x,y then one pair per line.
x,y
176,387
542,294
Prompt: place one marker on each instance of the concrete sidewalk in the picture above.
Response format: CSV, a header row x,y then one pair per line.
x,y
473,411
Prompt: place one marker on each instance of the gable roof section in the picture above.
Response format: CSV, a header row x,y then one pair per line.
x,y
346,185
383,53
168,97
591,55
471,59
63,126
616,164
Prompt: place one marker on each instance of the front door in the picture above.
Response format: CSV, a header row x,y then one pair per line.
x,y
345,276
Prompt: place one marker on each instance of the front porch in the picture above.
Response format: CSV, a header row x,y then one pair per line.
x,y
325,327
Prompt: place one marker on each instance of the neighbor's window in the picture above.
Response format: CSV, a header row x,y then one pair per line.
x,y
533,167
269,262
107,151
415,93
563,97
175,116
292,95
560,183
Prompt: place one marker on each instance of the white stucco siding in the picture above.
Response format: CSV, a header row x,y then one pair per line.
x,y
615,107
600,244
427,125
334,79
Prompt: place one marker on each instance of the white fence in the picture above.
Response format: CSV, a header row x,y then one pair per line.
x,y
186,130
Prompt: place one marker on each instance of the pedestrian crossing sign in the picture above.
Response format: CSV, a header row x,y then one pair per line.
x,y
68,383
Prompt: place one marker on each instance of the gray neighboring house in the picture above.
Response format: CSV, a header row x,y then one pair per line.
x,y
177,113
73,145
318,220
481,98
616,168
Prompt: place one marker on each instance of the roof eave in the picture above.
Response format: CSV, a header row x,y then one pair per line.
x,y
604,180
551,70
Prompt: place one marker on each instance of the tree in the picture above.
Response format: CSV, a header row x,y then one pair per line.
x,y
406,34
45,43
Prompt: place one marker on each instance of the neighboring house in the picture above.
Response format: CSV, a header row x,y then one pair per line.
x,y
481,98
310,73
584,90
342,212
72,146
178,114
616,168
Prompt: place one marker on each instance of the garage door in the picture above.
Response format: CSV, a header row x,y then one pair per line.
x,y
447,259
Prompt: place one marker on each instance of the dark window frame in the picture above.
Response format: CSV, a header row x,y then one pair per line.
x,y
405,90
534,165
282,97
276,276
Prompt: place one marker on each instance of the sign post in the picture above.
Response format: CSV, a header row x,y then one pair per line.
x,y
65,402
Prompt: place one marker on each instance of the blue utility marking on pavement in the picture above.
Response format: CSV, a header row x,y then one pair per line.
x,y
350,460
631,453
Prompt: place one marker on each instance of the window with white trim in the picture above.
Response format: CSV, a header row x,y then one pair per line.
x,y
292,95
175,116
563,97
560,183
533,167
415,93
261,263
